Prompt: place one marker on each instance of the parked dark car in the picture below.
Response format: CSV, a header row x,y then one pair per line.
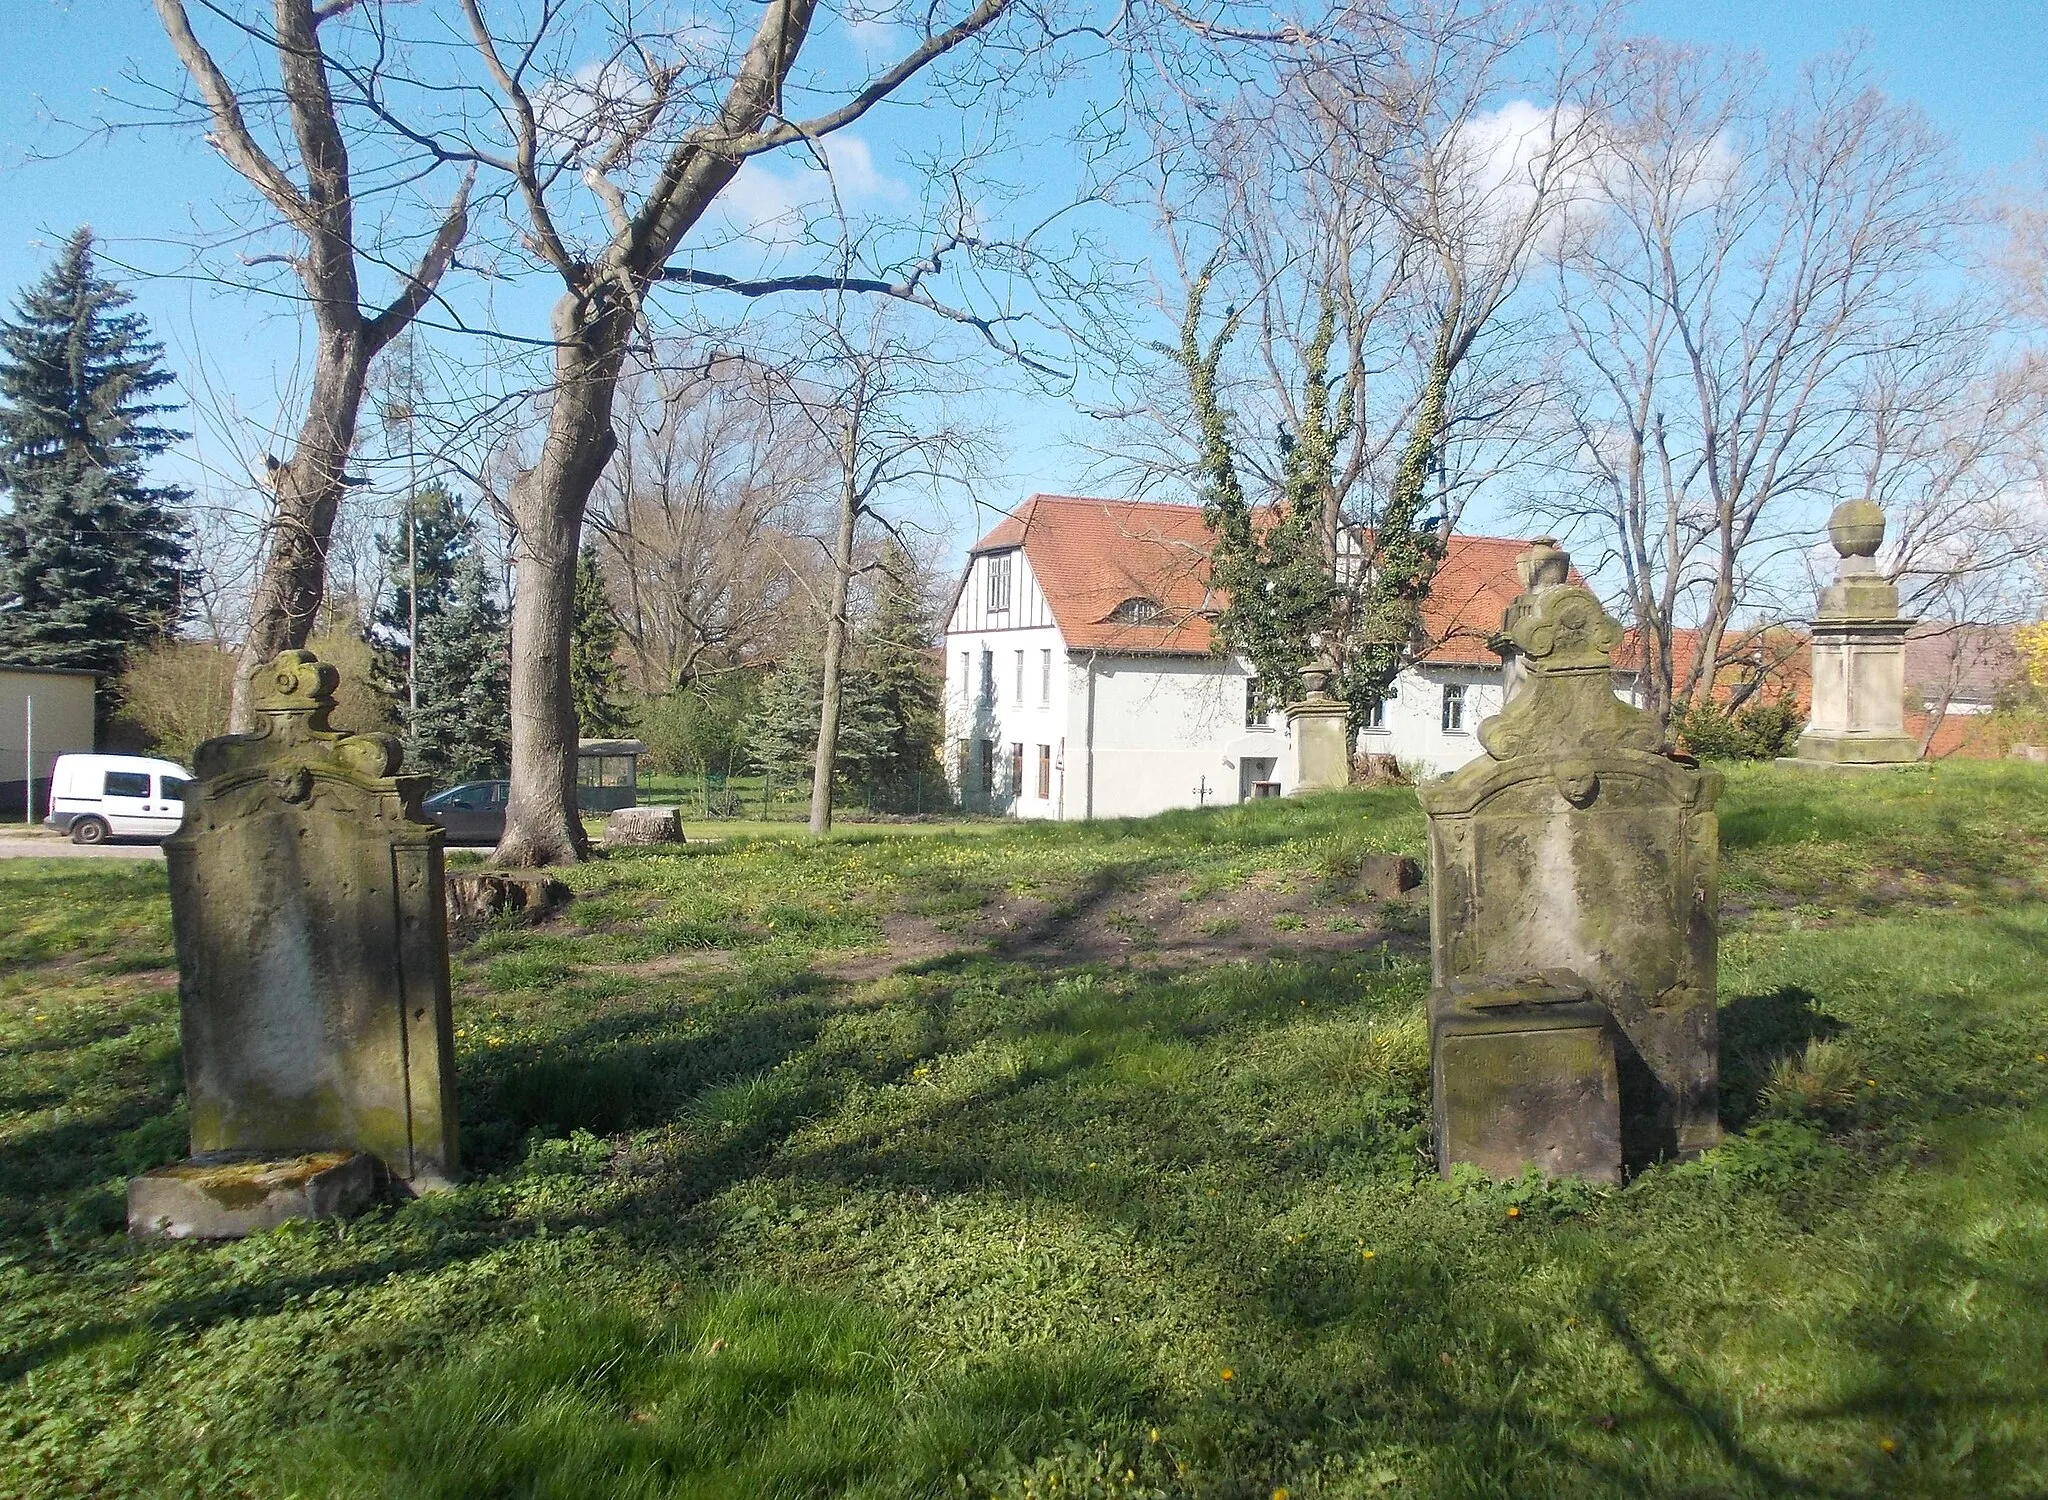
x,y
473,812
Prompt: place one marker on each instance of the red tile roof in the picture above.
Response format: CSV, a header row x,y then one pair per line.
x,y
1091,555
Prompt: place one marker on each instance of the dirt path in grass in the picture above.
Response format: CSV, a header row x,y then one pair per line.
x,y
1157,921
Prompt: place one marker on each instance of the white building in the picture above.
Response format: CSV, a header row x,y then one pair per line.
x,y
1081,680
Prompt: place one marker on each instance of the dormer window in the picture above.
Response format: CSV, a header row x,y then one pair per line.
x,y
999,584
1137,610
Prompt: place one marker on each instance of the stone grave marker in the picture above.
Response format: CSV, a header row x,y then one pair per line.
x,y
1321,725
307,904
1859,656
1573,891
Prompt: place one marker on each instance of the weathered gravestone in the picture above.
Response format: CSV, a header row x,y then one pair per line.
x,y
306,900
1573,881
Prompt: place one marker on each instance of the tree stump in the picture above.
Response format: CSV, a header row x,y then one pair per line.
x,y
476,896
638,827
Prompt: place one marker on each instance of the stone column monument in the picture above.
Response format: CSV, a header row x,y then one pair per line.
x,y
1573,888
1859,656
1322,733
307,904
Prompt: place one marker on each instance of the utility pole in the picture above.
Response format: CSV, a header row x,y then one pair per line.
x,y
28,759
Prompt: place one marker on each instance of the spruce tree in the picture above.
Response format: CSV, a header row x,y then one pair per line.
x,y
891,718
462,727
898,674
93,559
596,681
785,733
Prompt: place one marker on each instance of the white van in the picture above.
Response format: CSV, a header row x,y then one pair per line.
x,y
129,796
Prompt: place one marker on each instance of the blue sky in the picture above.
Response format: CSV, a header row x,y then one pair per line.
x,y
1978,67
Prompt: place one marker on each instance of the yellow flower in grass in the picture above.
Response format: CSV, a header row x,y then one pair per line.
x,y
1513,1212
1228,1374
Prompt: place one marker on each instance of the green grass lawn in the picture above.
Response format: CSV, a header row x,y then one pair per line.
x,y
1046,1161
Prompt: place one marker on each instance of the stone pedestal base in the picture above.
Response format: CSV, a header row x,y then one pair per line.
x,y
227,1196
1525,1077
1322,759
1853,753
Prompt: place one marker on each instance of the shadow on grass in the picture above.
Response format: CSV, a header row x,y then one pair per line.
x,y
1713,1421
1756,1031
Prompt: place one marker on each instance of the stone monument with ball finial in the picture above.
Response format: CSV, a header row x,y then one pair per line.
x,y
1858,717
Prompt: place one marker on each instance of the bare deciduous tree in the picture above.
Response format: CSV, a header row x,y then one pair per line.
x,y
1740,275
301,113
612,166
884,403
701,513
1370,210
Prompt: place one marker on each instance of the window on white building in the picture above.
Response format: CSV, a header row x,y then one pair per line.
x,y
999,584
1045,773
1018,699
1252,717
966,677
988,675
1045,679
1376,716
1454,708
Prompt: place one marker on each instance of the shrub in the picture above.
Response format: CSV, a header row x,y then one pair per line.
x,y
1762,729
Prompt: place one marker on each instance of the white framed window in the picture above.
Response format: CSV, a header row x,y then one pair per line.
x,y
1252,717
1454,708
1018,697
999,583
966,677
988,675
1376,716
1045,678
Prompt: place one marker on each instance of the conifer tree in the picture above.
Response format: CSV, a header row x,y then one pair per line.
x,y
890,713
785,735
93,559
596,680
895,664
462,726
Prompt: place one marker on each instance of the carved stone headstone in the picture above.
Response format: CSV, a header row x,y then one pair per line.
x,y
1859,656
306,900
1321,725
1573,880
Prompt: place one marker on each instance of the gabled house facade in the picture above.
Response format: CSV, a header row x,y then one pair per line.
x,y
1082,679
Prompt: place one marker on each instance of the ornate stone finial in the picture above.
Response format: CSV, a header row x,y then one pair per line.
x,y
1315,680
1857,528
297,696
1545,565
1558,643
299,682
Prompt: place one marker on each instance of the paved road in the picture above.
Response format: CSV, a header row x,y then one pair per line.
x,y
28,846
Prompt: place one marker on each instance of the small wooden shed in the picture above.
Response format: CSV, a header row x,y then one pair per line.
x,y
607,774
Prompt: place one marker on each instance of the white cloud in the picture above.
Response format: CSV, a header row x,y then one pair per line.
x,y
773,199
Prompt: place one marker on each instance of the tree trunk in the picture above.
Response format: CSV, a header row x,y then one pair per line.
x,y
308,495
835,642
542,823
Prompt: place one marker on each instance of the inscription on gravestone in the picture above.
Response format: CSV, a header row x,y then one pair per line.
x,y
306,899
1574,890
